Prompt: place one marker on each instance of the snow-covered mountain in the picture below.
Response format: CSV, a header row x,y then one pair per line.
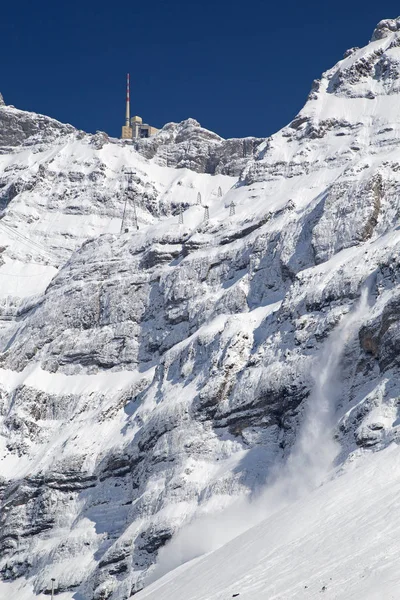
x,y
181,372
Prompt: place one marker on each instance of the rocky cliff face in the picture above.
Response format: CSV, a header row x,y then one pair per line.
x,y
188,145
20,128
150,376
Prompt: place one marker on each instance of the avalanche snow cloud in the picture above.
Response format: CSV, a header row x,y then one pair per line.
x,y
157,379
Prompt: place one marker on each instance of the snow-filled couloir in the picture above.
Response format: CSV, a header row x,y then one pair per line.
x,y
213,366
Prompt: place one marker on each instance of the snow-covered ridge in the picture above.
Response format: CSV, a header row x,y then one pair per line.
x,y
385,28
188,145
149,377
19,128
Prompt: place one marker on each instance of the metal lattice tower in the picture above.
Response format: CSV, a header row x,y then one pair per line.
x,y
219,192
124,228
52,588
135,214
199,198
206,214
180,221
232,209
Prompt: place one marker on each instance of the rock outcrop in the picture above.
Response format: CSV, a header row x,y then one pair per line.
x,y
188,145
385,28
19,128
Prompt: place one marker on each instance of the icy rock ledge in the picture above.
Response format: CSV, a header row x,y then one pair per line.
x,y
385,28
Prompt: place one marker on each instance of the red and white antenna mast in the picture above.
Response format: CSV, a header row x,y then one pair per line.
x,y
128,102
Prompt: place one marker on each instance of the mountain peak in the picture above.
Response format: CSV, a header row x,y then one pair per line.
x,y
385,28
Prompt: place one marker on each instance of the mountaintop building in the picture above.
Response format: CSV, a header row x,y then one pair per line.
x,y
134,128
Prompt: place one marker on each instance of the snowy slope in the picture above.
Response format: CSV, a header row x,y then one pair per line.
x,y
339,543
160,380
60,187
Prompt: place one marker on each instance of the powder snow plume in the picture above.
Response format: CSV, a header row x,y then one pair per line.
x,y
307,466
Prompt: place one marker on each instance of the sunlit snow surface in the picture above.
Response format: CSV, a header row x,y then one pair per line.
x,y
340,542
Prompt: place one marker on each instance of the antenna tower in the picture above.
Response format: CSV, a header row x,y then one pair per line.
x,y
232,209
128,102
180,221
198,198
206,214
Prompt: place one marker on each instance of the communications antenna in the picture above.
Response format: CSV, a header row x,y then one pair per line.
x,y
219,192
180,221
206,214
232,209
199,198
128,101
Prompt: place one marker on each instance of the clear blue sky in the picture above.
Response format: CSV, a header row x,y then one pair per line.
x,y
240,68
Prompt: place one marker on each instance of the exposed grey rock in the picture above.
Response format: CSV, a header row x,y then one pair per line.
x,y
385,28
188,145
18,127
